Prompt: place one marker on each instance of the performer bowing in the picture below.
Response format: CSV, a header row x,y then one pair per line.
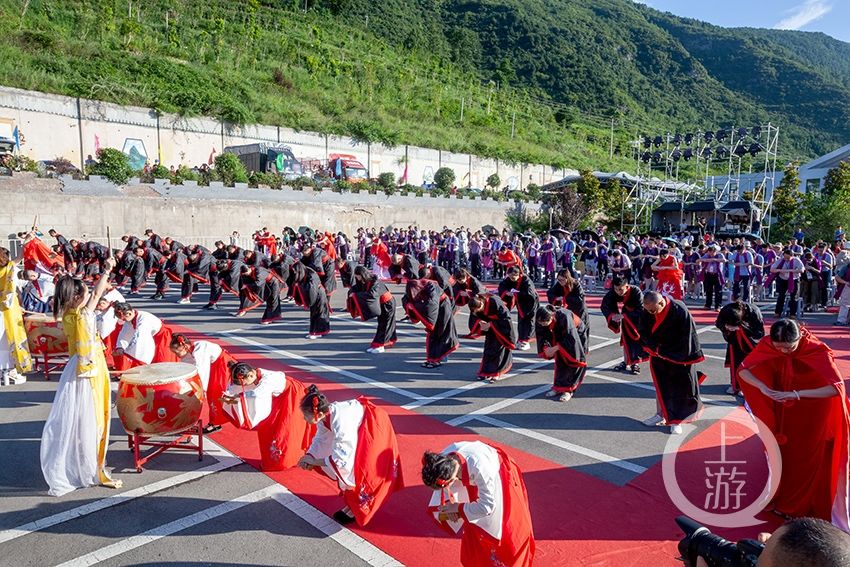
x,y
559,339
479,489
493,319
622,307
308,292
267,402
356,447
743,327
143,338
425,302
212,363
517,290
567,292
369,298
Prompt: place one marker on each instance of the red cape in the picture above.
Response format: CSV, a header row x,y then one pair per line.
x,y
38,253
813,434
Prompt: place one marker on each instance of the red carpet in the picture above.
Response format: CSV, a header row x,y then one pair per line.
x,y
578,519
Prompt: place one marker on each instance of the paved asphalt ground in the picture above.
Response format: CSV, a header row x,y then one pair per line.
x,y
221,511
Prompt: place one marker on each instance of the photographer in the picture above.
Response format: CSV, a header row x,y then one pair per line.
x,y
804,542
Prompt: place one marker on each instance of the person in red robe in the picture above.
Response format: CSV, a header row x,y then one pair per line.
x,y
267,402
213,364
479,489
791,383
143,338
669,273
356,447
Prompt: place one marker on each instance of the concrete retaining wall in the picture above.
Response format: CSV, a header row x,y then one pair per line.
x,y
59,126
86,208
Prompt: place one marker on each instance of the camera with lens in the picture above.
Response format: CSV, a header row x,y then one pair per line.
x,y
714,550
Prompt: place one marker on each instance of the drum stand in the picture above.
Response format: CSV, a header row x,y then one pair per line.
x,y
45,363
181,442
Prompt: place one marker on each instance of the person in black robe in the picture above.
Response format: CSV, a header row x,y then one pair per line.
x,y
669,334
328,275
254,258
427,303
318,260
235,253
370,298
172,245
742,326
404,267
346,271
154,240
440,275
155,266
465,287
622,307
517,290
130,268
493,320
567,292
309,293
225,275
258,285
559,339
198,262
68,253
175,266
219,251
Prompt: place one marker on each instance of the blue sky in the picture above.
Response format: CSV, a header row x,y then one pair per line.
x,y
828,16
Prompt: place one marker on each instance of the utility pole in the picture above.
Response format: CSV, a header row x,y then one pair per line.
x,y
462,105
513,125
611,151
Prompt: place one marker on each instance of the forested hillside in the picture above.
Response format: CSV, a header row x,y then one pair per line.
x,y
521,80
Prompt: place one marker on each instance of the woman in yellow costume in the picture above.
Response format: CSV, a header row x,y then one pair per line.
x,y
15,357
76,434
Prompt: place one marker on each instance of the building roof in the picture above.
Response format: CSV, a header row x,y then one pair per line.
x,y
829,160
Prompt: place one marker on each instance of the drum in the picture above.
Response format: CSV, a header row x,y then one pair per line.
x,y
45,335
164,398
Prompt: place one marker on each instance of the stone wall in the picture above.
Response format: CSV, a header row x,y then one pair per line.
x,y
200,214
73,128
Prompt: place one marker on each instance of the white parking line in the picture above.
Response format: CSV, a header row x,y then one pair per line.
x,y
573,448
225,461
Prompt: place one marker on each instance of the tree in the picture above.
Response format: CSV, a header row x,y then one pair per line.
x,y
494,181
568,208
786,203
615,198
591,191
444,178
837,182
230,169
386,180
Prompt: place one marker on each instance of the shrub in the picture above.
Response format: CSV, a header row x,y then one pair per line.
x,y
518,196
301,182
360,186
230,169
112,164
271,180
342,185
533,192
63,166
444,178
494,181
386,180
390,190
183,173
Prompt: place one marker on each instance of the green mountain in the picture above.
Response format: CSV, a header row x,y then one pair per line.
x,y
537,81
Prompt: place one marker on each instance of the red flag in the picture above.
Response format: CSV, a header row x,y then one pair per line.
x,y
404,175
211,160
96,143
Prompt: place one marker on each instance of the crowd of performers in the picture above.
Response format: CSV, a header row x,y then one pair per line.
x,y
787,376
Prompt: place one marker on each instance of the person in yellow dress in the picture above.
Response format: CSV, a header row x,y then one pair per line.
x,y
76,433
15,359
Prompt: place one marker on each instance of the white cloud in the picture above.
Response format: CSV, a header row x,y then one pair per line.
x,y
803,14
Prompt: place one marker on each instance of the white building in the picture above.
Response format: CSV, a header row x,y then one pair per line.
x,y
813,174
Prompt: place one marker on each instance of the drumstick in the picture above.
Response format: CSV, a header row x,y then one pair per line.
x,y
128,371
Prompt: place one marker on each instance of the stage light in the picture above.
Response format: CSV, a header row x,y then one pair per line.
x,y
676,155
756,131
708,136
722,152
656,157
740,150
645,157
689,137
689,153
677,139
658,141
755,148
742,132
721,135
647,141
706,151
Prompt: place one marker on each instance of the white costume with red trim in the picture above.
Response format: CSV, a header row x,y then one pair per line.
x,y
136,337
337,444
106,321
255,400
202,355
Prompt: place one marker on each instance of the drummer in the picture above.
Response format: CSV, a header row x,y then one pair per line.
x,y
143,338
106,322
212,363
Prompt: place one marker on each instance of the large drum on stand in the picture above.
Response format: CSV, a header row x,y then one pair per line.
x,y
46,339
161,399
